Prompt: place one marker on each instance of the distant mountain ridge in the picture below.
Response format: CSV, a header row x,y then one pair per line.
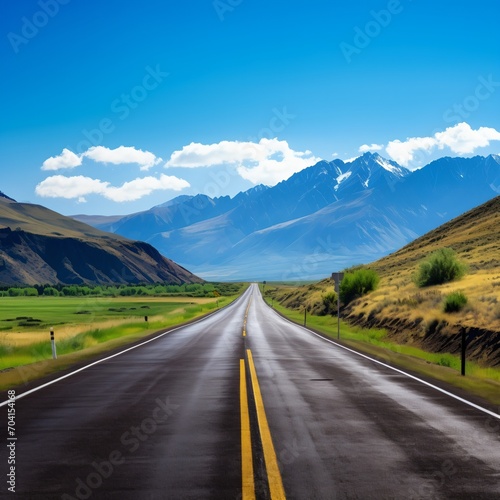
x,y
323,218
39,246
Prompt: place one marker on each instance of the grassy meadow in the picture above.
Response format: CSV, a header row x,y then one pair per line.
x,y
84,326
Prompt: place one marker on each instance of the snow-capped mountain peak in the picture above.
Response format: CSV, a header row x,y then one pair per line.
x,y
390,166
368,171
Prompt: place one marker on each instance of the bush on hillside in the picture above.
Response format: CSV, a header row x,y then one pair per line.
x,y
454,302
358,283
441,267
329,300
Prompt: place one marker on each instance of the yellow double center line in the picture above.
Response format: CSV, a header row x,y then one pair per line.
x,y
246,318
273,472
276,489
248,483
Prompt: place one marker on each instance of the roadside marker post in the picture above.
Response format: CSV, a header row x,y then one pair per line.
x,y
217,294
337,278
53,342
464,350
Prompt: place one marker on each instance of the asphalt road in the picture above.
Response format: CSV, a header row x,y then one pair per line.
x,y
182,417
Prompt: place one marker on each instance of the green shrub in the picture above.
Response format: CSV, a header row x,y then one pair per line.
x,y
71,344
446,360
454,302
40,350
329,303
22,292
5,350
358,283
441,267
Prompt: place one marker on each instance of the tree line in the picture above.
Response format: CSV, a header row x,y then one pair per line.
x,y
186,289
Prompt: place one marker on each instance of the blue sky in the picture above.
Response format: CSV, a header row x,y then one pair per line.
x,y
113,107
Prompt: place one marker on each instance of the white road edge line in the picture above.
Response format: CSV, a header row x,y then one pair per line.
x,y
450,394
35,389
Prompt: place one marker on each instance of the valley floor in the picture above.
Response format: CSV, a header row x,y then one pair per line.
x,y
84,328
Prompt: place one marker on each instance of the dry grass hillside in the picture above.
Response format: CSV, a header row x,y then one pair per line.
x,y
37,219
475,237
415,315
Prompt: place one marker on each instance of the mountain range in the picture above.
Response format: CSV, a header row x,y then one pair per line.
x,y
39,246
323,218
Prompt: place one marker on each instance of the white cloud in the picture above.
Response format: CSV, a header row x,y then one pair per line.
x,y
404,152
350,160
372,147
207,155
460,139
77,187
122,154
100,154
140,187
67,159
269,161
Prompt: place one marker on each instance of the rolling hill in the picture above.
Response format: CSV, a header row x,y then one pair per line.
x,y
39,246
414,315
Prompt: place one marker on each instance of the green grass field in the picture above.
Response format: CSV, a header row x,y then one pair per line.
x,y
82,324
37,313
